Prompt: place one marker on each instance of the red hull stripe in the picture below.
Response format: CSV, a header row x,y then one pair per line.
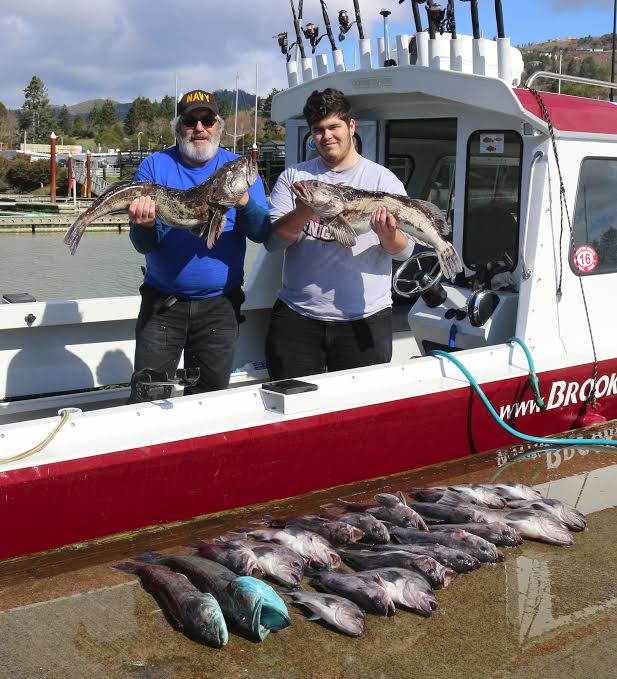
x,y
574,114
58,504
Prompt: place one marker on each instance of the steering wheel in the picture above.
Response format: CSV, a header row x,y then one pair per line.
x,y
430,278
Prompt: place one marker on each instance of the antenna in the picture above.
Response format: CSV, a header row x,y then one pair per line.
x,y
254,149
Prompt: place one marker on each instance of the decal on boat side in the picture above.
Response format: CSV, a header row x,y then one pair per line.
x,y
562,394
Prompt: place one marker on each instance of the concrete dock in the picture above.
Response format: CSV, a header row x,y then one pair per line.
x,y
546,611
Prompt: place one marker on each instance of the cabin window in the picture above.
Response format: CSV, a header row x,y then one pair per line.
x,y
492,200
594,242
421,153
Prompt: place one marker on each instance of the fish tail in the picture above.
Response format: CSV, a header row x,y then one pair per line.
x,y
449,260
149,557
75,232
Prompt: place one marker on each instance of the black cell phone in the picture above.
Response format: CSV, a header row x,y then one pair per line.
x,y
289,387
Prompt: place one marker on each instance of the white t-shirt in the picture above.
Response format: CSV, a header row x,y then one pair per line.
x,y
321,278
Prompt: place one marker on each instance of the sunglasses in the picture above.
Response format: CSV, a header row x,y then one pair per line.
x,y
206,120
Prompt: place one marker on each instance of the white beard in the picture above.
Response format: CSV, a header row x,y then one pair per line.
x,y
202,152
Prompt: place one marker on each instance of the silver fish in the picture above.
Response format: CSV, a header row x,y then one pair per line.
x,y
336,532
461,513
406,588
196,613
278,562
238,558
513,491
482,549
200,209
394,509
497,532
369,593
341,613
456,559
434,573
562,511
374,530
471,493
538,525
347,213
311,546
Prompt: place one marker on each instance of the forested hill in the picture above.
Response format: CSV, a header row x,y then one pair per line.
x,y
588,57
226,99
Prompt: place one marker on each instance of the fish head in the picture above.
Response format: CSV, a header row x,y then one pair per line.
x,y
348,616
324,199
288,566
207,621
260,607
233,180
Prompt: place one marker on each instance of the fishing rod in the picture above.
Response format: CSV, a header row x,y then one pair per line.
x,y
299,44
499,16
345,24
311,31
326,18
451,20
475,21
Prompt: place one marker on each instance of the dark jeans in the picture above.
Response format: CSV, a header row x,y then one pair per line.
x,y
297,345
206,329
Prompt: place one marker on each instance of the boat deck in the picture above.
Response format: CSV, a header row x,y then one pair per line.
x,y
544,612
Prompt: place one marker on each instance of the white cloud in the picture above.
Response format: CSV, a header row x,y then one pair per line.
x,y
126,49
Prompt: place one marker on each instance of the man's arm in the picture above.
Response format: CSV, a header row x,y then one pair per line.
x,y
146,230
289,218
252,217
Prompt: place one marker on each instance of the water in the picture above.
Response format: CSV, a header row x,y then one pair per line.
x,y
105,265
546,611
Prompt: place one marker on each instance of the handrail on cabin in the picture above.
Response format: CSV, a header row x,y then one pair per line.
x,y
570,78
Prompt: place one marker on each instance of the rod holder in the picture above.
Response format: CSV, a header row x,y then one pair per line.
x,y
402,50
479,56
504,67
322,64
292,73
364,45
422,41
381,51
434,54
307,69
339,60
456,55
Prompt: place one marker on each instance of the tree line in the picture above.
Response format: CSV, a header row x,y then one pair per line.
x,y
145,125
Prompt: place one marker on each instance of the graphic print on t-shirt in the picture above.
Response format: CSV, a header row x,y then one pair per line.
x,y
315,228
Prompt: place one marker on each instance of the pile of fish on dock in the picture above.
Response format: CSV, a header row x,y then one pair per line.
x,y
400,551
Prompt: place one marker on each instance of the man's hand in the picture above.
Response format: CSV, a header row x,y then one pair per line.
x,y
142,211
384,225
392,239
303,212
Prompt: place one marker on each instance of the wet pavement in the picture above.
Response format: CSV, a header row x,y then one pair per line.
x,y
545,612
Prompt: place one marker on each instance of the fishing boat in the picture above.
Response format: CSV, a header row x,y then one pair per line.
x,y
526,180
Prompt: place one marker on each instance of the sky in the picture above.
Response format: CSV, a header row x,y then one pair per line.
x,y
122,49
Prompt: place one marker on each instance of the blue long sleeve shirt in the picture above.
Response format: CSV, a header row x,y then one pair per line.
x,y
179,263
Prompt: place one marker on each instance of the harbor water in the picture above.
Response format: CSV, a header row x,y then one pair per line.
x,y
545,611
105,265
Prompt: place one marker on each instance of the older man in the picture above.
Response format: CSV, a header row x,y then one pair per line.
x,y
191,296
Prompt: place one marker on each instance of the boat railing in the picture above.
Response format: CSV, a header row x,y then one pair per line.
x,y
569,78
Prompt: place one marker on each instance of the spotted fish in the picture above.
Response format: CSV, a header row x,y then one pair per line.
x,y
347,213
200,209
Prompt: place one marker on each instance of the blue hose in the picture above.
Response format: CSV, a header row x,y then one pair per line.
x,y
507,427
532,377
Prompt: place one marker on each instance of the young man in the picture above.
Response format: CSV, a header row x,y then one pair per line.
x,y
334,308
191,295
